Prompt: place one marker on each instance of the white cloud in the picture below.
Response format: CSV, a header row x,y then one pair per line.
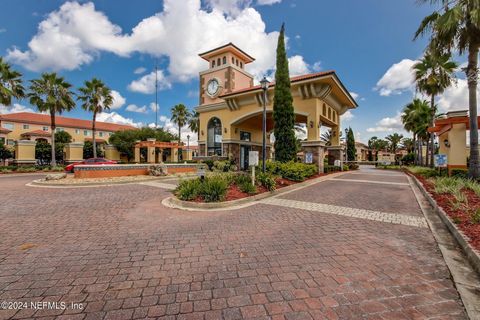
x,y
455,97
137,109
146,84
77,33
139,70
347,116
267,2
118,100
354,95
298,66
114,117
16,107
388,124
398,78
168,125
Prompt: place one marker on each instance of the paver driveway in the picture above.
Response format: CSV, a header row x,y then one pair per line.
x,y
352,247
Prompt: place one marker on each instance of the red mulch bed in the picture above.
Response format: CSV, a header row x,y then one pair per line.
x,y
461,216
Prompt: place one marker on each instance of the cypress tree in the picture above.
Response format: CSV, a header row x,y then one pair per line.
x,y
351,151
283,114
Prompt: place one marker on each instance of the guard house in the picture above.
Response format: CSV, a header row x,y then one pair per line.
x,y
451,130
231,106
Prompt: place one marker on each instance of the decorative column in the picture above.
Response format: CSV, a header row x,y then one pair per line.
x,y
315,150
111,152
160,156
73,152
25,152
174,156
137,154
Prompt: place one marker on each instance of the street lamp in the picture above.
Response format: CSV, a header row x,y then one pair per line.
x,y
346,146
264,83
188,145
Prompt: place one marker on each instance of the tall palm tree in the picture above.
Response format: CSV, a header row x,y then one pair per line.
x,y
194,122
96,97
10,84
433,74
408,144
416,117
456,26
51,94
394,140
180,116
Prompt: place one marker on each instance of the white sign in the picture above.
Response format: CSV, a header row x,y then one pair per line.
x,y
253,158
308,157
218,138
337,163
201,171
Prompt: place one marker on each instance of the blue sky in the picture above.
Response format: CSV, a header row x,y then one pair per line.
x,y
368,43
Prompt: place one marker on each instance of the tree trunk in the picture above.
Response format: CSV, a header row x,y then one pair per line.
x,y
472,75
52,127
432,135
93,135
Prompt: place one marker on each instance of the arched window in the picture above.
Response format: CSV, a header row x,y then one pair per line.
x,y
214,137
218,61
224,60
236,62
213,63
241,64
324,110
233,60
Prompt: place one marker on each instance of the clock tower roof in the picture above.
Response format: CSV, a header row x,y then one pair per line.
x,y
229,47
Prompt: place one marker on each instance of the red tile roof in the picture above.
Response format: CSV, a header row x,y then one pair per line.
x,y
37,133
292,79
4,131
97,140
44,119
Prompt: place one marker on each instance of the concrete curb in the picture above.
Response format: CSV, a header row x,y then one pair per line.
x,y
42,184
473,256
173,202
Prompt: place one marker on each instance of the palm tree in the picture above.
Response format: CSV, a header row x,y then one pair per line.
x,y
95,97
416,117
51,94
456,26
433,74
408,144
394,140
372,143
180,116
10,84
194,122
327,137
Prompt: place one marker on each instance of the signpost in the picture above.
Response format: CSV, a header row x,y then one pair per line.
x,y
440,160
252,162
201,172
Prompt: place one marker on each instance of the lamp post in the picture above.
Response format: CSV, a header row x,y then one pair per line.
x,y
264,83
188,146
346,145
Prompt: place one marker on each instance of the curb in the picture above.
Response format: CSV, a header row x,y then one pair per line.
x,y
473,256
173,202
40,183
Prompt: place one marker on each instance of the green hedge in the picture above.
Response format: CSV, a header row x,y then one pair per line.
x,y
211,189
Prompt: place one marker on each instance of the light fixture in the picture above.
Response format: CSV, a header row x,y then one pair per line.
x,y
446,143
225,130
264,82
202,132
311,124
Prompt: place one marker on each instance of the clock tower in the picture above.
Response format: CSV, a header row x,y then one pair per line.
x,y
226,73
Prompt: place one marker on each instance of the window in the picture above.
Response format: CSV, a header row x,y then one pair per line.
x,y
45,128
334,116
324,110
241,64
236,62
59,129
100,134
214,137
26,126
77,131
329,113
218,61
213,63
10,142
86,132
233,60
2,140
224,60
245,136
8,126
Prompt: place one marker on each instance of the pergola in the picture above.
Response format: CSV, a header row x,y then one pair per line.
x,y
152,145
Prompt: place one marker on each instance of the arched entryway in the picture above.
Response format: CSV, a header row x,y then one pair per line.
x,y
214,137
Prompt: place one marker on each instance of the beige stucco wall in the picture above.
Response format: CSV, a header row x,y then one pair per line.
x,y
25,151
457,152
74,152
112,153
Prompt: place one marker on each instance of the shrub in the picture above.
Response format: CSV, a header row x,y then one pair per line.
x,y
408,159
476,216
297,171
459,173
244,183
266,180
425,172
346,167
188,189
214,189
209,163
330,168
353,166
223,166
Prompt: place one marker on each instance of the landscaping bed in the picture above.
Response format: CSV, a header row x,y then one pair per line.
x,y
458,196
30,169
71,181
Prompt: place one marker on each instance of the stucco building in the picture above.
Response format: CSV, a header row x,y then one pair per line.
x,y
231,106
34,126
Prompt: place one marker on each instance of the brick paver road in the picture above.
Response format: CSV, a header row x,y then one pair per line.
x,y
335,250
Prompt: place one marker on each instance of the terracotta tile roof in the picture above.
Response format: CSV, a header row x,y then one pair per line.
x,y
44,119
97,140
206,55
292,80
4,131
37,133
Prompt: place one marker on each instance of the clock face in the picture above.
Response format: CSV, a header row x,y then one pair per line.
x,y
212,87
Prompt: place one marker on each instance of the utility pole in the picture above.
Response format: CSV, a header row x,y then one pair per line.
x,y
156,95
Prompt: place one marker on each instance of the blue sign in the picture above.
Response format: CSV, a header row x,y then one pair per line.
x,y
308,157
440,160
